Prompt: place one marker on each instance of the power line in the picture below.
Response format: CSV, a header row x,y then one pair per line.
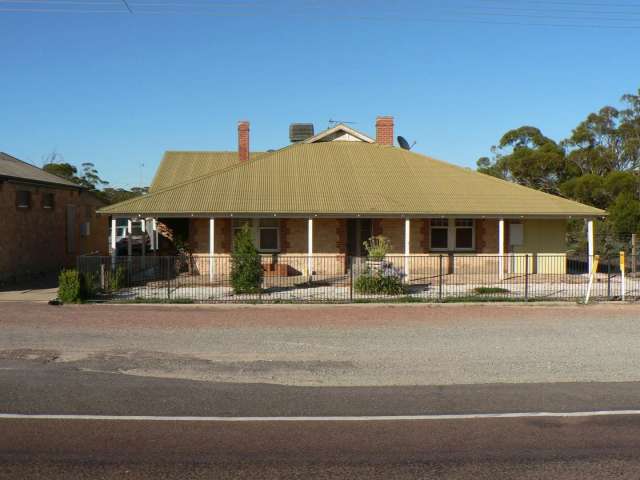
x,y
461,14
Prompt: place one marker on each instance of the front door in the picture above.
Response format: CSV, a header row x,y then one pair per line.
x,y
358,231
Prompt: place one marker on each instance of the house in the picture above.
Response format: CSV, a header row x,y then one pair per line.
x,y
312,203
47,221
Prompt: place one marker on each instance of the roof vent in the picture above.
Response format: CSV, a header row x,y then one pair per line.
x,y
299,132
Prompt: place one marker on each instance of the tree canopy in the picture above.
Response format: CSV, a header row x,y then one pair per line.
x,y
598,164
90,179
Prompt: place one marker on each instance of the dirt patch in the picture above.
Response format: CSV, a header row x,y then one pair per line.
x,y
32,355
163,364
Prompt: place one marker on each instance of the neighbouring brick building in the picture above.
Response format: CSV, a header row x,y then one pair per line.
x,y
47,221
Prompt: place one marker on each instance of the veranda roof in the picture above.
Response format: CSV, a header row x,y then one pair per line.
x,y
342,179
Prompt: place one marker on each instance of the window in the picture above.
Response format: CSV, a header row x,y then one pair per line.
x,y
23,199
47,200
269,235
265,232
439,234
464,234
452,234
136,227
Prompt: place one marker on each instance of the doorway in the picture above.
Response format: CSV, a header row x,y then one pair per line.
x,y
358,231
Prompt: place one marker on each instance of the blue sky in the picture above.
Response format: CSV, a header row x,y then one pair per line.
x,y
98,84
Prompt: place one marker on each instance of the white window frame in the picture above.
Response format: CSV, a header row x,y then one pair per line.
x,y
259,228
472,227
451,235
439,227
254,226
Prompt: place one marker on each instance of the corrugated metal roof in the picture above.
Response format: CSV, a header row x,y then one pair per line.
x,y
14,168
178,167
349,178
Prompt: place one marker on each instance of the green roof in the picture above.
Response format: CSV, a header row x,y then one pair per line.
x,y
177,167
350,179
14,168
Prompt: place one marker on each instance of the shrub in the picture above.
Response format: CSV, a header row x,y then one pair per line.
x,y
386,281
91,284
377,247
117,279
71,288
246,267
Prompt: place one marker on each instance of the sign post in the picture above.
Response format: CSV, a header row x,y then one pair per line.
x,y
622,273
594,269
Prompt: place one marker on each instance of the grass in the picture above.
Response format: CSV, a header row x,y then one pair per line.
x,y
481,299
490,290
155,300
403,299
382,300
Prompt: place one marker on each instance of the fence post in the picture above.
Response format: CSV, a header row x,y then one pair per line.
x,y
526,277
168,278
634,252
440,278
350,262
608,277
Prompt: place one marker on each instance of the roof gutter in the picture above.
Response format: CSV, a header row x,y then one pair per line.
x,y
41,183
511,216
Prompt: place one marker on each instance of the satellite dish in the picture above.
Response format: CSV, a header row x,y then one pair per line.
x,y
404,144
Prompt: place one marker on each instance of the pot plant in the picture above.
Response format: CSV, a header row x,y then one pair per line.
x,y
377,248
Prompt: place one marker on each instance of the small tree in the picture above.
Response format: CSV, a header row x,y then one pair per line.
x,y
71,286
246,267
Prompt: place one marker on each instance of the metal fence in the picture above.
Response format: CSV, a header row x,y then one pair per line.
x,y
342,279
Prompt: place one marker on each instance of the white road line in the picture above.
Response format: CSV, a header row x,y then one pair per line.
x,y
383,418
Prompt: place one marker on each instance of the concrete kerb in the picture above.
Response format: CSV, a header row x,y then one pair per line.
x,y
318,306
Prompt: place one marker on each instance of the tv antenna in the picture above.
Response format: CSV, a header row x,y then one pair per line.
x,y
53,157
141,174
404,144
333,123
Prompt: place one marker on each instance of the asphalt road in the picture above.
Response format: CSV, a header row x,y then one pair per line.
x,y
480,449
532,447
32,388
72,361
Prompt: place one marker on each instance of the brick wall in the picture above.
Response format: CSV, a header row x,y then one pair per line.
x,y
34,239
297,235
393,229
487,236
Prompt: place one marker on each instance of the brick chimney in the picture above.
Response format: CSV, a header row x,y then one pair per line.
x,y
384,130
243,141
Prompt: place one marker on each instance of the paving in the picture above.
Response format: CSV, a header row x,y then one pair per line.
x,y
29,295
